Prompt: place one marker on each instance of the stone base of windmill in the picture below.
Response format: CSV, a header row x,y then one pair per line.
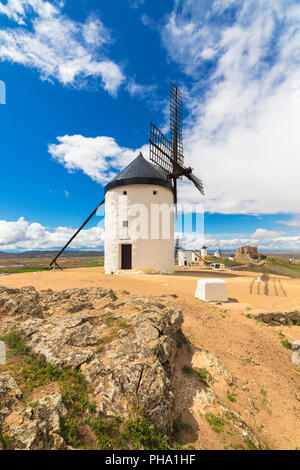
x,y
212,290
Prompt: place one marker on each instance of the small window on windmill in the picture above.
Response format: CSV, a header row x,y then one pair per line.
x,y
125,193
154,192
125,223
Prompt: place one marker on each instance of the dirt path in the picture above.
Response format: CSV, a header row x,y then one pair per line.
x,y
267,384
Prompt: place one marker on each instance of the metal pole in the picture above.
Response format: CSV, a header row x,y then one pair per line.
x,y
75,234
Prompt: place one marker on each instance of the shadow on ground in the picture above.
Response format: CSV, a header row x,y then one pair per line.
x,y
265,285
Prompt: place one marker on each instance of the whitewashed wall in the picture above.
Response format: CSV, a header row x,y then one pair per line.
x,y
148,255
185,256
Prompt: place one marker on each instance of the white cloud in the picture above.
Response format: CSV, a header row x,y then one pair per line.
x,y
17,9
21,235
294,222
136,3
242,136
263,234
67,194
99,158
136,89
263,239
58,47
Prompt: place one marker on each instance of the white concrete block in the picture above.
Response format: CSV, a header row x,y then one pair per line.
x,y
212,290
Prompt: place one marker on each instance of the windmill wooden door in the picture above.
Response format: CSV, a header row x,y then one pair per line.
x,y
126,256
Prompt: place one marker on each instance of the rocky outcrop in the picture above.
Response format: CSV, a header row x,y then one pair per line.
x,y
62,341
136,369
126,354
40,427
33,427
20,301
280,318
9,396
27,302
30,427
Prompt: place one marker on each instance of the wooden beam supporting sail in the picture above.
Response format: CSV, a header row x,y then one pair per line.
x,y
53,262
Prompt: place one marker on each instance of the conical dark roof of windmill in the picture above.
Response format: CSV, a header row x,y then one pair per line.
x,y
139,171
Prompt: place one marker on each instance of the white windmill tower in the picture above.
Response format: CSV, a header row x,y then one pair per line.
x,y
152,189
147,244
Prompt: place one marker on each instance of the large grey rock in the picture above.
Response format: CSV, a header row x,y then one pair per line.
x,y
132,367
9,396
62,341
279,318
136,370
25,301
37,427
40,428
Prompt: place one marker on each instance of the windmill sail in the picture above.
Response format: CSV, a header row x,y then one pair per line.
x,y
168,154
176,123
160,149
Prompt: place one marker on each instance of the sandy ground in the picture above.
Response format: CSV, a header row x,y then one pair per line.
x,y
273,293
267,383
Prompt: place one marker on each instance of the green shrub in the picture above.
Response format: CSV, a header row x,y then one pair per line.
x,y
286,344
5,441
107,432
179,425
69,429
203,374
36,371
73,391
187,370
139,433
34,404
16,342
136,433
216,423
231,397
250,444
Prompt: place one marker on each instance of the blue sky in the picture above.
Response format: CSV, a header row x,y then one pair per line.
x,y
85,78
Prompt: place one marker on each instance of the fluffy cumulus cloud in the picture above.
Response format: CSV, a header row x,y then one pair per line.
x,y
21,235
100,158
263,234
242,135
264,239
43,38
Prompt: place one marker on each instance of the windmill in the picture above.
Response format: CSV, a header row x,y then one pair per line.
x,y
165,154
177,247
168,154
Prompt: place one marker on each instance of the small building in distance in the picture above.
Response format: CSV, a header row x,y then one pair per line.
x,y
203,251
196,256
185,257
217,254
246,253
